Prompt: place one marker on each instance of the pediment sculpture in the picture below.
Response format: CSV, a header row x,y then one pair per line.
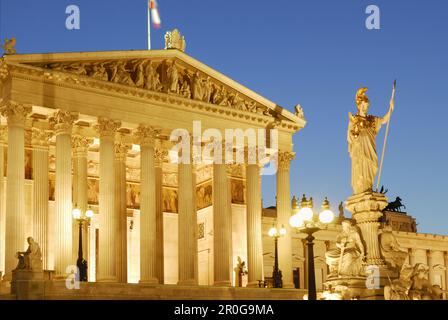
x,y
163,76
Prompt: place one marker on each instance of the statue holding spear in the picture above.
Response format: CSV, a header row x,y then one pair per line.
x,y
362,131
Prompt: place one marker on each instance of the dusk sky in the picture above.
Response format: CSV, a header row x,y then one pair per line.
x,y
316,53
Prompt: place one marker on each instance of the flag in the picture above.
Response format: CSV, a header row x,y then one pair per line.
x,y
155,16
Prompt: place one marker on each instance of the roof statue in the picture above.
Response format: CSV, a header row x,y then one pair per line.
x,y
174,40
9,46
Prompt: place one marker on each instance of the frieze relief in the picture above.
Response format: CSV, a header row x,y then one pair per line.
x,y
162,76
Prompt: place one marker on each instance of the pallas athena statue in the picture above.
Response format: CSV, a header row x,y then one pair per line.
x,y
362,131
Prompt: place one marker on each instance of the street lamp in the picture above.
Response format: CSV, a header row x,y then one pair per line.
x,y
306,221
81,263
276,274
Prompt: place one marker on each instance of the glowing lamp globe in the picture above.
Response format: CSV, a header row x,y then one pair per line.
x,y
296,221
282,231
89,213
272,232
306,214
76,213
326,216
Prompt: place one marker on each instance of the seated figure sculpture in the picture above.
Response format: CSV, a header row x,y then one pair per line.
x,y
347,258
31,259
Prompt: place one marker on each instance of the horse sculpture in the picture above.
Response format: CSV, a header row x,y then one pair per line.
x,y
395,205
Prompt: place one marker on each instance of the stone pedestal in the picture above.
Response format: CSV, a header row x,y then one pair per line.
x,y
27,285
366,209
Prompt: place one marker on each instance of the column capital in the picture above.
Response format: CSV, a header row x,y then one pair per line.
x,y
121,150
16,113
412,252
445,255
107,127
62,121
284,159
160,155
146,135
430,253
40,138
81,145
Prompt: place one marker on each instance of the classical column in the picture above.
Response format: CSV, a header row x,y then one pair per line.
x,y
254,235
80,146
229,168
159,157
63,122
221,221
430,263
412,254
40,139
445,256
15,188
148,236
121,150
107,265
3,137
188,255
283,215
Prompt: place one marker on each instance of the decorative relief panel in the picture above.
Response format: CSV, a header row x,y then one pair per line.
x,y
204,195
170,200
238,191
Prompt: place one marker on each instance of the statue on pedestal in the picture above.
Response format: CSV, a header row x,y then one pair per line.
x,y
347,258
361,135
31,259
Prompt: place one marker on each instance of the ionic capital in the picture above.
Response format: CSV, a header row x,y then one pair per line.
x,y
107,127
121,151
62,122
430,254
16,113
40,138
81,145
146,135
284,159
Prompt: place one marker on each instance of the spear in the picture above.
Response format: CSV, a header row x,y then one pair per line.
x,y
385,138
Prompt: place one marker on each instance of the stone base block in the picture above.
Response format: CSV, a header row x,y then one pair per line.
x,y
27,285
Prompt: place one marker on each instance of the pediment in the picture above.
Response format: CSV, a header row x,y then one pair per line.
x,y
163,71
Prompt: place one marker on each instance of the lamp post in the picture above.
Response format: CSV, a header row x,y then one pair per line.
x,y
276,274
306,221
80,262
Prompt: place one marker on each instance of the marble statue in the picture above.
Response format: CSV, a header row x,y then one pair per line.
x,y
347,258
173,78
362,131
413,284
421,288
9,46
299,111
391,251
398,289
174,40
31,259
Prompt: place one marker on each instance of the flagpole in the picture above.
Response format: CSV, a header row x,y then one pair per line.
x,y
149,26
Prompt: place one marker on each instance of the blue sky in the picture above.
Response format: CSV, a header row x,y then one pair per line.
x,y
316,53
